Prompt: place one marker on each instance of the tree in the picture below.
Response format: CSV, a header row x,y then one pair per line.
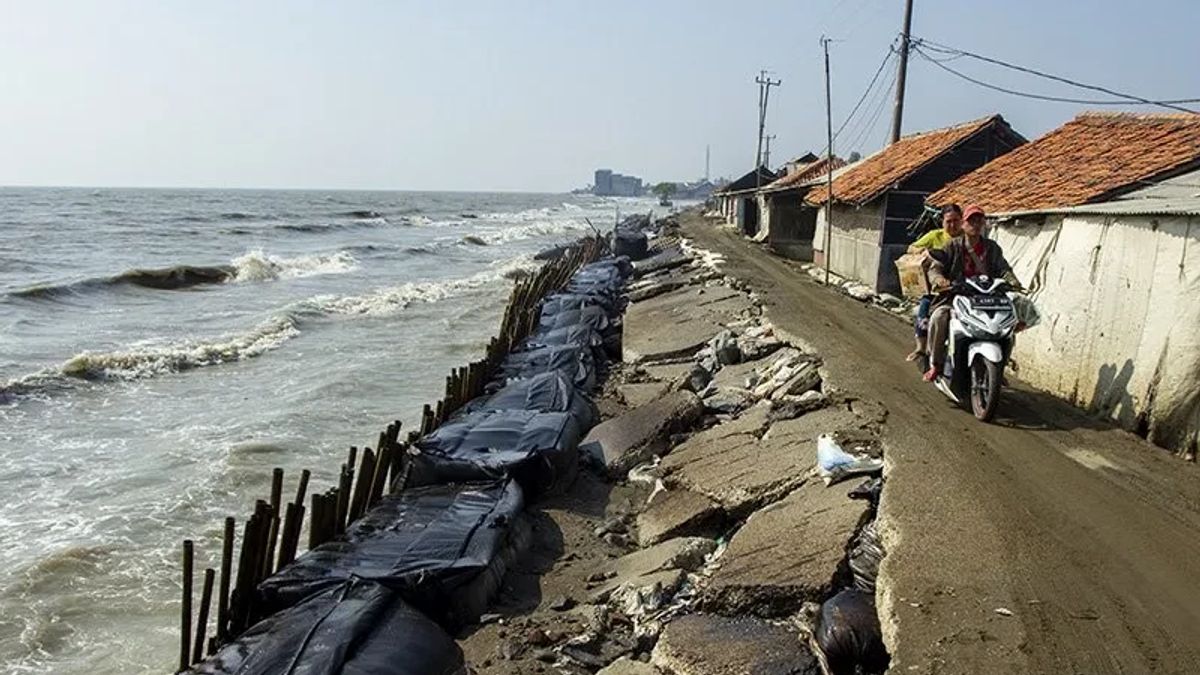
x,y
665,189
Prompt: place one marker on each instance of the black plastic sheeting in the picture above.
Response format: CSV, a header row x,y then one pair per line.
x,y
539,450
557,317
355,628
849,634
577,364
544,392
445,548
866,552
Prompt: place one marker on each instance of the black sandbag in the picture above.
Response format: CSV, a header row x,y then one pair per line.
x,y
630,242
561,302
445,548
554,317
576,363
577,335
539,450
544,392
355,628
866,552
849,634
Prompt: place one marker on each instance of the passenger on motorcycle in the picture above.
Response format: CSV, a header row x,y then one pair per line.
x,y
934,240
967,256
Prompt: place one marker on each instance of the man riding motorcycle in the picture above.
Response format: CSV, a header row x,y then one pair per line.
x,y
967,256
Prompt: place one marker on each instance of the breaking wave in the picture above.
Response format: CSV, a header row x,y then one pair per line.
x,y
252,266
156,358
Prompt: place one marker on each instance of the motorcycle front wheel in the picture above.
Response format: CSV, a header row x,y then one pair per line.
x,y
985,388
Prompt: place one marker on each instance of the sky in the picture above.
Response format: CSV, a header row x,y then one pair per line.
x,y
521,95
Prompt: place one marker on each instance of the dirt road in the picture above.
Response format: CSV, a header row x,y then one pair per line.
x,y
1046,542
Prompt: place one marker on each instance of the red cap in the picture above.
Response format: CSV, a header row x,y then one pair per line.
x,y
972,210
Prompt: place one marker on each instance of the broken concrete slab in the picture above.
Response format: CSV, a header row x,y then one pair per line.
x,y
685,553
680,322
639,394
667,372
728,400
791,552
625,441
731,465
628,666
666,259
701,644
677,513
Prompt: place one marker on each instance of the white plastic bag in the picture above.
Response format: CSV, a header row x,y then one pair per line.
x,y
835,464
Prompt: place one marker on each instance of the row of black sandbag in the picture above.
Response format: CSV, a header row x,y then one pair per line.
x,y
430,556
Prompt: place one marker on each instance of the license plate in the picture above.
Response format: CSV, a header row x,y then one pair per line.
x,y
989,301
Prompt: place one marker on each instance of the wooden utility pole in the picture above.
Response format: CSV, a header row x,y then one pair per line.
x,y
902,73
828,163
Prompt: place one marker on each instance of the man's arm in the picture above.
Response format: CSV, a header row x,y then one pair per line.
x,y
939,264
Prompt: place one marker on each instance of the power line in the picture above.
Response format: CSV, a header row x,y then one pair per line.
x,y
886,59
1041,97
873,119
1057,78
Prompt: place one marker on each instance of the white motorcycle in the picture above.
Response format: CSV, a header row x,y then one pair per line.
x,y
983,323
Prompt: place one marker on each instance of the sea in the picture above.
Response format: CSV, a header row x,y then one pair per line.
x,y
162,351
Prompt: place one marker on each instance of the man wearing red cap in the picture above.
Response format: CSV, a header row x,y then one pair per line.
x,y
967,256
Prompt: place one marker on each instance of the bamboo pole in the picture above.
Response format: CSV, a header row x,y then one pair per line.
x,y
202,618
185,618
366,473
316,521
223,591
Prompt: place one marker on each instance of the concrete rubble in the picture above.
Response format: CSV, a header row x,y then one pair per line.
x,y
726,531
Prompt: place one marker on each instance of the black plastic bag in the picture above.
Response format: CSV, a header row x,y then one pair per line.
x,y
631,243
445,548
576,363
355,628
561,302
866,552
539,450
555,318
544,392
849,634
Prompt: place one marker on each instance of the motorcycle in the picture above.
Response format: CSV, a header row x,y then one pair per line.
x,y
983,324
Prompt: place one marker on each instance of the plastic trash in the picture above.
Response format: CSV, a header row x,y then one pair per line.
x,y
544,392
849,634
1027,311
444,548
539,450
354,628
868,490
835,464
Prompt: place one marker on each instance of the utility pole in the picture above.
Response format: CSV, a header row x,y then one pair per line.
x,y
767,152
902,73
828,162
764,95
706,158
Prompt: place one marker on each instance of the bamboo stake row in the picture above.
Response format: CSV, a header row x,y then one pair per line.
x,y
271,535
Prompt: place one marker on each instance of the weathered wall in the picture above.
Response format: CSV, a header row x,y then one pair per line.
x,y
855,242
1120,305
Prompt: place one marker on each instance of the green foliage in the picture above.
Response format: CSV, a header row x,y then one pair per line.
x,y
665,189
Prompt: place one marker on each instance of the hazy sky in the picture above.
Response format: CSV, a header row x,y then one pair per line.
x,y
517,95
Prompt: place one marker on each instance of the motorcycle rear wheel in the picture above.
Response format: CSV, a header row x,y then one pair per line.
x,y
985,388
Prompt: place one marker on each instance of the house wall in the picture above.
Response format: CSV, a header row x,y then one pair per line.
x,y
1119,299
854,245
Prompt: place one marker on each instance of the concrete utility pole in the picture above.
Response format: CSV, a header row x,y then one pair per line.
x,y
706,158
902,73
767,152
828,163
764,95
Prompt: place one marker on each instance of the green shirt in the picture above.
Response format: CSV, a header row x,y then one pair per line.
x,y
933,239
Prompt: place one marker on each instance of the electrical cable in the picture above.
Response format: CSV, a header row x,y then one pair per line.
x,y
886,59
917,43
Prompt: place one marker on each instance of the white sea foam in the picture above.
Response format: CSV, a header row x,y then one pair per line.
x,y
393,299
525,231
259,266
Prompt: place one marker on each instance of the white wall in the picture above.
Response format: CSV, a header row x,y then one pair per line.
x,y
1120,305
855,241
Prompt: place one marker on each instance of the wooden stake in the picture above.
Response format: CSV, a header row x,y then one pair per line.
x,y
202,618
185,619
223,591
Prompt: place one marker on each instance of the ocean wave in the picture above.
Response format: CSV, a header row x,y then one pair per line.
x,y
391,300
252,266
259,266
151,359
525,231
363,214
357,222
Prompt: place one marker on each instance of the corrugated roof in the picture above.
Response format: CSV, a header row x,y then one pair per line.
x,y
872,176
751,181
810,172
1094,156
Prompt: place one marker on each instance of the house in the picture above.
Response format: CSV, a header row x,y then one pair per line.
x,y
738,201
1100,219
788,222
877,200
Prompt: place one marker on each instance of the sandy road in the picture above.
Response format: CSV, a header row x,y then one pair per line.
x,y
1086,538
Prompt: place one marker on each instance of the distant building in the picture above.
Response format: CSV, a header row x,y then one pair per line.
x,y
609,184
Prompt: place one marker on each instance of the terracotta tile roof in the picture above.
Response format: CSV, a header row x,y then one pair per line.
x,y
1093,157
808,172
872,176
